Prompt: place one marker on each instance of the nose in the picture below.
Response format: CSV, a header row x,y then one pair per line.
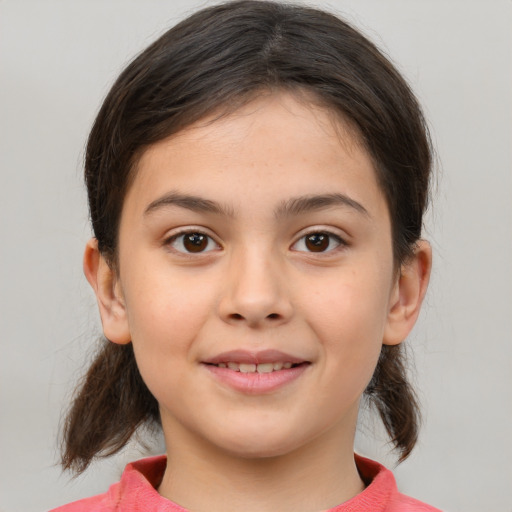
x,y
256,292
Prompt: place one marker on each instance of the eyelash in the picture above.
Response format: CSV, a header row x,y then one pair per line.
x,y
180,240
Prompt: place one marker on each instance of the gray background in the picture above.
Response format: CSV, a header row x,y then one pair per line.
x,y
57,61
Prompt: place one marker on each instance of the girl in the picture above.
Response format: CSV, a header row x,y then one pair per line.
x,y
257,179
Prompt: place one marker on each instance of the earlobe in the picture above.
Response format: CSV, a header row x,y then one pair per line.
x,y
104,282
408,294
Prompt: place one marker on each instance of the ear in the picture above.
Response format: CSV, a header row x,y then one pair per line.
x,y
105,284
408,293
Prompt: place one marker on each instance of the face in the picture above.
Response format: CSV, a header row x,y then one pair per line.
x,y
256,278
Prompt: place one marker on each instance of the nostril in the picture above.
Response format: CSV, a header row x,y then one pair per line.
x,y
238,316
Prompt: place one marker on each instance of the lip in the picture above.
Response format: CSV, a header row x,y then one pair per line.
x,y
255,383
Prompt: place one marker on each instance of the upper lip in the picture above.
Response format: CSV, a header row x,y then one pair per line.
x,y
254,357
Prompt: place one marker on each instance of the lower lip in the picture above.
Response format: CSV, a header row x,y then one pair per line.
x,y
257,383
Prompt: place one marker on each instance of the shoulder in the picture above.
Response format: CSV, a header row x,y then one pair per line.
x,y
105,502
402,503
98,503
136,491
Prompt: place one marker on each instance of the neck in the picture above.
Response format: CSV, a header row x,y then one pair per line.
x,y
317,476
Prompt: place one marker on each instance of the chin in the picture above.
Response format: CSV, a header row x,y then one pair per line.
x,y
258,446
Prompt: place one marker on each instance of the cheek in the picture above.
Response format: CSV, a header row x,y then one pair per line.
x,y
349,316
166,318
353,302
165,310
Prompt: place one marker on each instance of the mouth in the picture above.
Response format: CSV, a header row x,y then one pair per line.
x,y
258,368
256,373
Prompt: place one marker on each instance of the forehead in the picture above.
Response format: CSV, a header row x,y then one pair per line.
x,y
278,143
310,116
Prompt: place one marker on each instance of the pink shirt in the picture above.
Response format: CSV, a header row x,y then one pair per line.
x,y
136,492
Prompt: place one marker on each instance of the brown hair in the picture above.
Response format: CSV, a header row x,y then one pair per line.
x,y
215,61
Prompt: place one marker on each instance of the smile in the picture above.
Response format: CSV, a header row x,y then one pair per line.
x,y
256,368
256,373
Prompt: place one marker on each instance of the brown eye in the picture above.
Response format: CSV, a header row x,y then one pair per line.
x,y
195,242
192,242
317,242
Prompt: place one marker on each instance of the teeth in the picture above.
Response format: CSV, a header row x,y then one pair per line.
x,y
265,368
252,368
247,368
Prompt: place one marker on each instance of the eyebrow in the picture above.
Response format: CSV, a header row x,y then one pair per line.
x,y
304,204
190,202
290,207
